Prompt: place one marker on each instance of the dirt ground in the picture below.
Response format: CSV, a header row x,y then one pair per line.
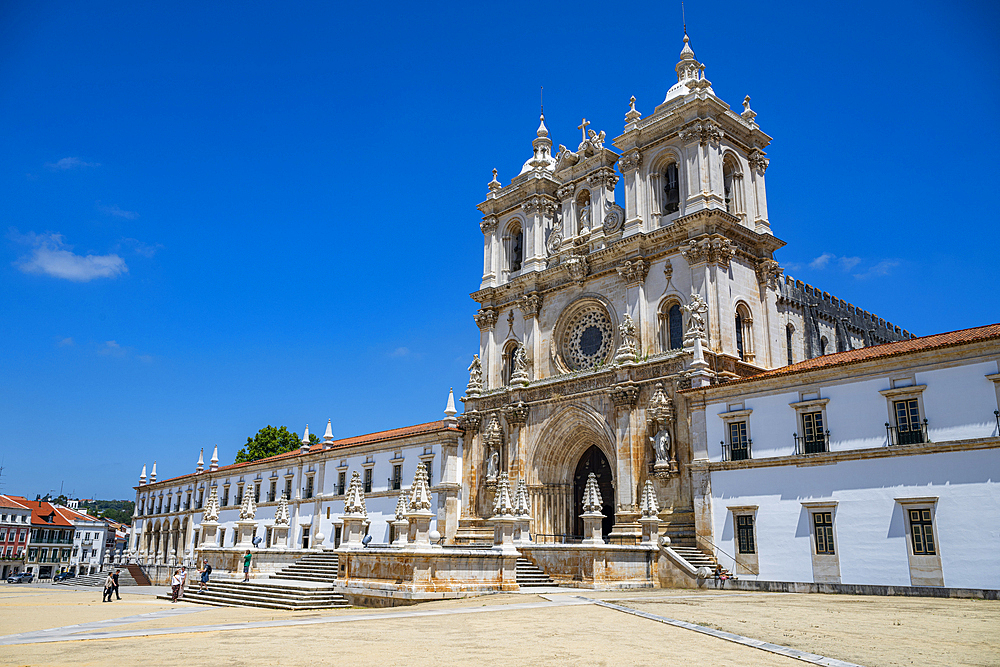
x,y
864,630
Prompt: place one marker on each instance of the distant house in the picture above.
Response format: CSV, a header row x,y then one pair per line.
x,y
15,525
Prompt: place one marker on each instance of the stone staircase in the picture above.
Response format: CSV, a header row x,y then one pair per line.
x,y
289,595
319,567
698,558
97,579
529,574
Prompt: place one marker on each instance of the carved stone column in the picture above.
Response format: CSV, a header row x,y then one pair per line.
x,y
629,164
629,461
516,416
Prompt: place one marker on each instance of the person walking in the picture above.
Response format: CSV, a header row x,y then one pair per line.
x,y
109,587
175,585
206,572
115,577
184,579
246,566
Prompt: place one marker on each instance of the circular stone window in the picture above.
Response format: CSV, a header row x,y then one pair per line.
x,y
587,339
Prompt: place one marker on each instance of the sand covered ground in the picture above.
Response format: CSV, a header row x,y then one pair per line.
x,y
556,628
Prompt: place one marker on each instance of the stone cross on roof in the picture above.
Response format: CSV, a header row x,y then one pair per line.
x,y
583,128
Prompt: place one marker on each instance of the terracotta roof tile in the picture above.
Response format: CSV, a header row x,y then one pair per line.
x,y
883,351
391,434
8,502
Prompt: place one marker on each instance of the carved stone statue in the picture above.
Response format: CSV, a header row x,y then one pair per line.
x,y
585,218
660,419
555,236
697,312
492,465
662,446
629,350
520,370
475,377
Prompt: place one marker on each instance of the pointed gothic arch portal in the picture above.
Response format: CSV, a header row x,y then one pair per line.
x,y
594,461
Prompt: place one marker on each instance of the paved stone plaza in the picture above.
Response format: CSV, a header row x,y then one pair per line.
x,y
45,626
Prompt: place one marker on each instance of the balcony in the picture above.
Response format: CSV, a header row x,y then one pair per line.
x,y
912,434
816,443
736,451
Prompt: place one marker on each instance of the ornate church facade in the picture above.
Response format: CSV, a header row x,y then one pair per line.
x,y
595,313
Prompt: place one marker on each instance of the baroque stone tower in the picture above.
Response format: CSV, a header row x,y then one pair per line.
x,y
594,312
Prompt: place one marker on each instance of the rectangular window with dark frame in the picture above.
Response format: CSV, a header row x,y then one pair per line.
x,y
397,477
225,498
429,467
813,438
288,488
239,494
368,480
739,444
922,532
256,492
309,487
823,524
744,534
909,431
341,483
273,492
671,189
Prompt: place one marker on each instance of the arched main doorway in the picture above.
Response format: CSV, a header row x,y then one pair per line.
x,y
594,461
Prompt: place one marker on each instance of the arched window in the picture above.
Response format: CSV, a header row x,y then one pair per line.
x,y
732,182
515,252
823,342
671,327
508,361
789,332
671,189
744,333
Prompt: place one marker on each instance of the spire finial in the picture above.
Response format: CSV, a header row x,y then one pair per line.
x,y
494,185
214,463
449,409
684,21
541,99
201,460
328,436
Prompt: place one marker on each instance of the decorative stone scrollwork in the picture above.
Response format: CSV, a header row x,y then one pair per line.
x,y
697,312
469,421
475,386
555,236
628,351
536,204
587,338
577,267
668,270
486,318
704,131
625,394
530,304
660,421
758,161
614,217
606,178
565,158
516,413
768,272
630,161
489,224
711,249
634,270
565,192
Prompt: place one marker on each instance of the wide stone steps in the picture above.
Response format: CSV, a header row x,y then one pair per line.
x,y
266,594
697,558
124,579
321,568
529,574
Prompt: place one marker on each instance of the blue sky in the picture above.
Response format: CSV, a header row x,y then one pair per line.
x,y
227,215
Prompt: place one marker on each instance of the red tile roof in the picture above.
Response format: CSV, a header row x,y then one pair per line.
x,y
884,351
41,509
391,434
7,502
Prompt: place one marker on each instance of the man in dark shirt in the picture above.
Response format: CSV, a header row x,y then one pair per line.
x,y
115,578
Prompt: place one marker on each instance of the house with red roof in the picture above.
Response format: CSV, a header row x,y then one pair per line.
x,y
15,526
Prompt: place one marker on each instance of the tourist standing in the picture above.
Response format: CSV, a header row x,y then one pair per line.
x,y
115,578
175,585
246,565
109,587
206,572
184,579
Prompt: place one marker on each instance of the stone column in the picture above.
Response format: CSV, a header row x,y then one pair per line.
x,y
629,164
629,461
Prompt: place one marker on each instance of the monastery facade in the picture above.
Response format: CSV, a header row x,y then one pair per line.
x,y
621,337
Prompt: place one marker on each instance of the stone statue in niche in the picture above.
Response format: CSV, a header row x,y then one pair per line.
x,y
659,420
519,376
697,311
585,217
492,466
662,446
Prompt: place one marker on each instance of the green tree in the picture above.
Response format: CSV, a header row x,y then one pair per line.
x,y
270,441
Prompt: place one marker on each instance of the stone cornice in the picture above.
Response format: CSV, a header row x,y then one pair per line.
x,y
829,458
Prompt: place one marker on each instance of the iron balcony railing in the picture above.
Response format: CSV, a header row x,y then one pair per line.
x,y
812,444
906,435
736,451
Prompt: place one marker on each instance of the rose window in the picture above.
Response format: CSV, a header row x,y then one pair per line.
x,y
588,338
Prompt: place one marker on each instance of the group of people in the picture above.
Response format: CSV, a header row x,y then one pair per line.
x,y
179,579
111,586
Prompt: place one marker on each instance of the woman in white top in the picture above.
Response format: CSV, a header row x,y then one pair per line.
x,y
175,585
